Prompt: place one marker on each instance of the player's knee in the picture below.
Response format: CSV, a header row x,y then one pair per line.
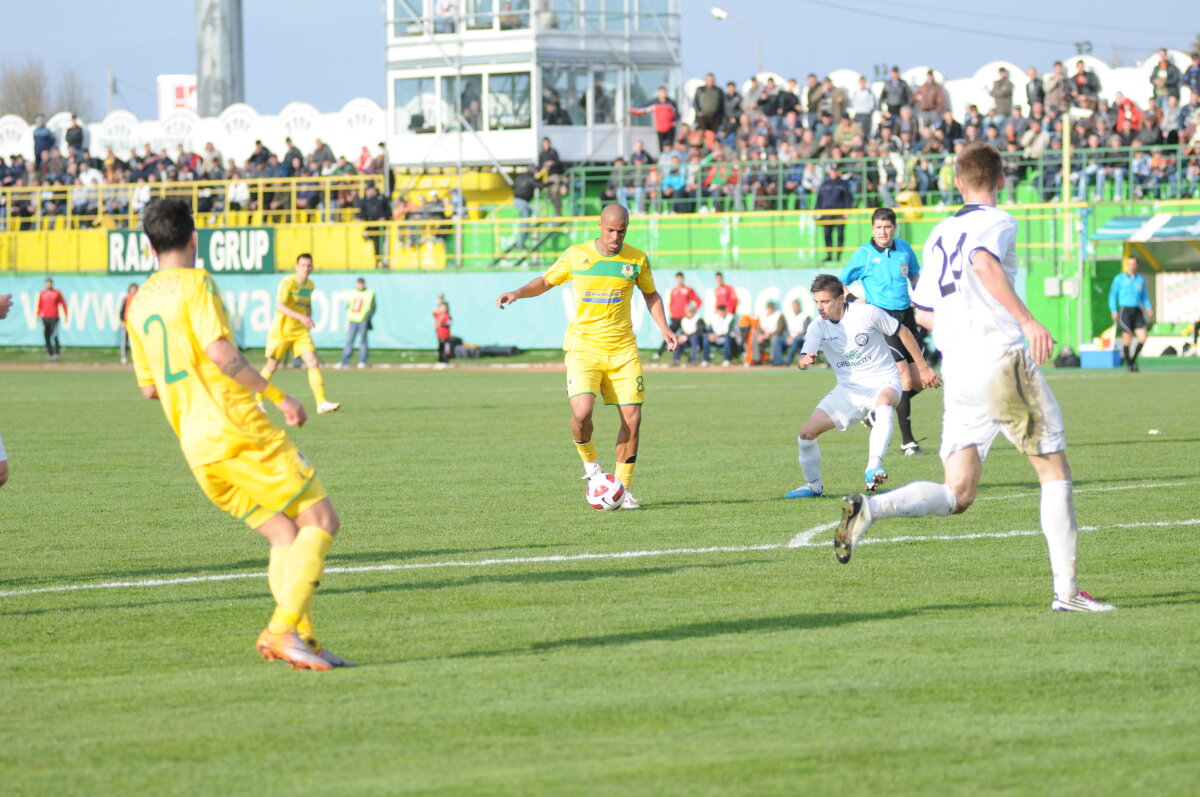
x,y
3,473
808,434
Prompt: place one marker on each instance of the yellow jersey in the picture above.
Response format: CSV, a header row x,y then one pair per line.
x,y
297,296
603,295
170,321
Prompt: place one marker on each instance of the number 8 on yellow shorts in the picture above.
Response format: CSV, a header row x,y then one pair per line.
x,y
301,344
615,377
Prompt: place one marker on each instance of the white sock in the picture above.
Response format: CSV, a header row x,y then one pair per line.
x,y
810,463
917,499
881,436
1062,534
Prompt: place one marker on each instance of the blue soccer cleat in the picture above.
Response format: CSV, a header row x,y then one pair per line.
x,y
874,477
804,492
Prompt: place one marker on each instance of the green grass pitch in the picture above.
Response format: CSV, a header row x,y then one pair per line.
x,y
926,666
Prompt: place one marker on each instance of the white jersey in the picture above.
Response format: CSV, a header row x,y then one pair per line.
x,y
855,346
968,321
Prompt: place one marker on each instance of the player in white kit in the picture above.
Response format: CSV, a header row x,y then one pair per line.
x,y
854,338
966,296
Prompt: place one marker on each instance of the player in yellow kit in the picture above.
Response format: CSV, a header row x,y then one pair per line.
x,y
184,356
602,355
290,330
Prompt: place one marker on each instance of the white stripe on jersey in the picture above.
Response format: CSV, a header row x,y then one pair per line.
x,y
968,320
855,346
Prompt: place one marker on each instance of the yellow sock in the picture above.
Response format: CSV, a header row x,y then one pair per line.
x,y
317,383
301,577
275,570
625,473
587,451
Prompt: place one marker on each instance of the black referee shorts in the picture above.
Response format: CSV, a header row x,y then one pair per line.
x,y
1131,318
907,318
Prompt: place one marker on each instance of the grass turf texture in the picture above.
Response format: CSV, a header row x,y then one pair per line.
x,y
922,667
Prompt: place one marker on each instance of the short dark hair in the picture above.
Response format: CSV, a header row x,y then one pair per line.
x,y
719,274
678,273
303,255
883,214
828,283
169,224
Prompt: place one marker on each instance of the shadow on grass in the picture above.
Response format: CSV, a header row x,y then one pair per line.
x,y
336,559
714,628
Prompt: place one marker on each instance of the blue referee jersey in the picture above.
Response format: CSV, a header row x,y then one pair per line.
x,y
1128,291
885,273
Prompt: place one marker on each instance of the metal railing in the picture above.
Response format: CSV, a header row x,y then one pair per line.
x,y
216,203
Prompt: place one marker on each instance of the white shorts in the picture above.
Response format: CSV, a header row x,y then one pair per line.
x,y
846,405
1009,395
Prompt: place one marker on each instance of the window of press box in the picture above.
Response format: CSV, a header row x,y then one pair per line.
x,y
416,105
508,101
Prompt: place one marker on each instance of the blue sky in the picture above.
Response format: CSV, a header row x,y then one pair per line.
x,y
326,53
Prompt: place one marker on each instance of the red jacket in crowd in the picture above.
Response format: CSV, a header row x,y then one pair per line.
x,y
665,114
681,297
727,296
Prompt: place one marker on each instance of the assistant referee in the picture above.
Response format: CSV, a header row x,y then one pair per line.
x,y
1129,304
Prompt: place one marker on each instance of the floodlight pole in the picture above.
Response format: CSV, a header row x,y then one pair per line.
x,y
721,14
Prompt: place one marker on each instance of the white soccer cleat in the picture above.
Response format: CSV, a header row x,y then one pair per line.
x,y
338,366
1080,602
326,407
361,365
591,470
630,501
856,519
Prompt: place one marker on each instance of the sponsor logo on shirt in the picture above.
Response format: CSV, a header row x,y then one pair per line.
x,y
861,338
596,296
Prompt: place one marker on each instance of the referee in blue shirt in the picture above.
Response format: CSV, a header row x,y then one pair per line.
x,y
887,266
1130,307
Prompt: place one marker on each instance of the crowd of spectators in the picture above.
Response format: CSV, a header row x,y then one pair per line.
x,y
68,174
768,146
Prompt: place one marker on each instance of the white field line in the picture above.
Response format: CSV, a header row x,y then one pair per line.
x,y
802,540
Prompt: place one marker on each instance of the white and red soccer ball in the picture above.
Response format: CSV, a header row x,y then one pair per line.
x,y
604,492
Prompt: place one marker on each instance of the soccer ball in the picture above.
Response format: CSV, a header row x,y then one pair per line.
x,y
604,492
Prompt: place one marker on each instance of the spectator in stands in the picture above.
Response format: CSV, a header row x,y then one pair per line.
x,y
694,333
862,106
895,93
682,300
43,138
709,104
1084,87
1165,79
1191,78
732,102
547,19
74,135
813,92
1056,88
1171,120
930,99
787,101
666,114
1002,95
833,194
374,207
321,153
723,332
552,171
261,155
1148,133
767,338
510,20
623,181
673,183
792,336
1035,92
751,95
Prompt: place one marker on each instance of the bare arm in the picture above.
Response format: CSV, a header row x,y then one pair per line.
x,y
924,317
234,365
290,313
654,304
928,377
535,287
992,275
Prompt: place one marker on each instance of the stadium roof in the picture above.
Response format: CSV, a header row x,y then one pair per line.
x,y
1165,241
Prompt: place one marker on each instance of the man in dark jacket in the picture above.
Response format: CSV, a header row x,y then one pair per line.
x,y
895,93
525,185
1166,79
709,102
74,135
375,207
43,138
833,194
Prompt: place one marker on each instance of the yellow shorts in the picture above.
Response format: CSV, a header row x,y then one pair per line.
x,y
256,485
300,344
617,377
